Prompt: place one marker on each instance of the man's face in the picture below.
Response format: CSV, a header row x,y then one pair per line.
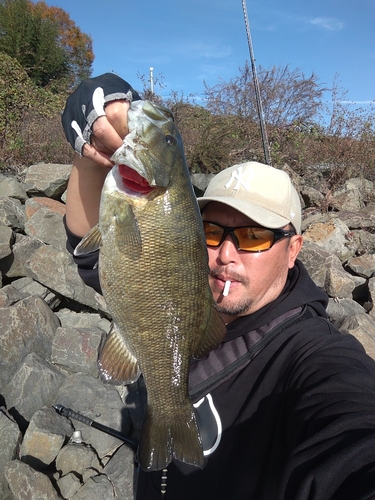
x,y
256,278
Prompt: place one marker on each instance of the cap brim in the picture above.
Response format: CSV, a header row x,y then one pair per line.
x,y
256,213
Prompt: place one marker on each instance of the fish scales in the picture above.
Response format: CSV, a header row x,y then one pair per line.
x,y
154,275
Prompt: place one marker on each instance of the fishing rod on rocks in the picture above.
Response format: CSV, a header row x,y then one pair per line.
x,y
133,443
69,413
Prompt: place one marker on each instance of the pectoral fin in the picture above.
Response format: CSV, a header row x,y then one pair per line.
x,y
90,242
117,364
127,234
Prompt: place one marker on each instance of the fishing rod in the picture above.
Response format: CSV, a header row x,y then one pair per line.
x,y
266,150
133,443
68,412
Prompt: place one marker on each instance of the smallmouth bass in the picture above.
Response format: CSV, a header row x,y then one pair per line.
x,y
153,270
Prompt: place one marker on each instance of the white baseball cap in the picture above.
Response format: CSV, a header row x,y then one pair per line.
x,y
263,193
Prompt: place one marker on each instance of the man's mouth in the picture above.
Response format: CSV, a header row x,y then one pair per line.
x,y
132,180
224,283
227,288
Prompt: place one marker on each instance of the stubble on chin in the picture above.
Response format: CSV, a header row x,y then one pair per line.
x,y
237,308
229,305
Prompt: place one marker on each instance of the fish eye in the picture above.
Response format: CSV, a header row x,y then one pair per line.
x,y
170,140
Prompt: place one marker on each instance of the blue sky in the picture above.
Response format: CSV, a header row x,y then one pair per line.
x,y
192,41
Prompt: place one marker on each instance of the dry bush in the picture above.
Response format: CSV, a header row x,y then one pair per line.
x,y
215,136
341,157
30,126
40,139
303,131
213,142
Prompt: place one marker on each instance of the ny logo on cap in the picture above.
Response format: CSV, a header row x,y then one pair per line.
x,y
237,176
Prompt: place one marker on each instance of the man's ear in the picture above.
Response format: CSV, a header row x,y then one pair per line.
x,y
295,246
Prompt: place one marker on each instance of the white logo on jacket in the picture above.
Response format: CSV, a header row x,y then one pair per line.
x,y
209,424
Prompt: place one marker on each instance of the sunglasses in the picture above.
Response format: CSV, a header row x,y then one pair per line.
x,y
247,238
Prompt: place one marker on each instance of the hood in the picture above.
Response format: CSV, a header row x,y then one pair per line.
x,y
299,290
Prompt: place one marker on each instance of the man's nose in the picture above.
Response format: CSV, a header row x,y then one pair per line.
x,y
227,251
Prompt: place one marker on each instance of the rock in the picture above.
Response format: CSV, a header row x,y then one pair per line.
x,y
352,195
326,270
360,219
44,438
347,198
311,196
12,213
120,471
332,236
96,488
78,458
362,241
6,240
27,326
364,265
339,309
371,287
26,287
47,179
338,283
26,483
13,266
57,271
32,205
46,224
10,439
34,385
200,182
9,186
68,485
76,349
69,318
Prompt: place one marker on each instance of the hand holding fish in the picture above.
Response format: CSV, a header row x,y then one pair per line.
x,y
95,117
108,132
95,134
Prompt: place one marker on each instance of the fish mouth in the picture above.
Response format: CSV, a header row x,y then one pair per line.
x,y
133,181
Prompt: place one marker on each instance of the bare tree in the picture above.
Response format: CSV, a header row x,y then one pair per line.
x,y
288,97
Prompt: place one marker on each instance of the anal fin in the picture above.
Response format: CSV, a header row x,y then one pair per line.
x,y
117,365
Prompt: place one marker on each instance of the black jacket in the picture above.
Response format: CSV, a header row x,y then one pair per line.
x,y
297,421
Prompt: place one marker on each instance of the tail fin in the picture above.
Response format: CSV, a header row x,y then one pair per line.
x,y
162,441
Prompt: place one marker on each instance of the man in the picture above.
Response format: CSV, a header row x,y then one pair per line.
x,y
286,404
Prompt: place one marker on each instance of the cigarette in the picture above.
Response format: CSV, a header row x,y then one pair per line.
x,y
226,288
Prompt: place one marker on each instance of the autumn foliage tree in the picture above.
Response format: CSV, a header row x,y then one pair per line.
x,y
77,45
45,41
